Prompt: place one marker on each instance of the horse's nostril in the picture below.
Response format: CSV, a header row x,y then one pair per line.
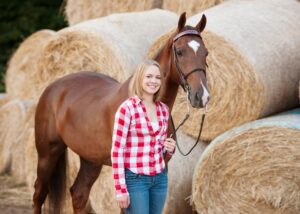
x,y
198,96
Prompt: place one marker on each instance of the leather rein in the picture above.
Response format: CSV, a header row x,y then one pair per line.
x,y
186,87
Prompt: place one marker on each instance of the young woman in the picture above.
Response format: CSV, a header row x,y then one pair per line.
x,y
140,143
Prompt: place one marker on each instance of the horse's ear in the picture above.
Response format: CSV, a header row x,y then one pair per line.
x,y
181,22
202,23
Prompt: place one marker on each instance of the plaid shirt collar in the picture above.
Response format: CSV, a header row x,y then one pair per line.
x,y
136,100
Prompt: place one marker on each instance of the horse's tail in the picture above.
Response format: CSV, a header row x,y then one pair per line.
x,y
57,185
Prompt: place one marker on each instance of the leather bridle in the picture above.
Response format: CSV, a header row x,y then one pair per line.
x,y
186,87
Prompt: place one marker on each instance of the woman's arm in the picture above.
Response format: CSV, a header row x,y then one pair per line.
x,y
120,131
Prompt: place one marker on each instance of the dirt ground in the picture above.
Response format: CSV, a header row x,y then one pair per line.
x,y
14,196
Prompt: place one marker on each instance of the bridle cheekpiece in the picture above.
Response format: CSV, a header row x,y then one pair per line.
x,y
183,78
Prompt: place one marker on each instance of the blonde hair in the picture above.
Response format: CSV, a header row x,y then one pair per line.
x,y
135,87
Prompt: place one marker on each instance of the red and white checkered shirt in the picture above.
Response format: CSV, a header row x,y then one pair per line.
x,y
136,146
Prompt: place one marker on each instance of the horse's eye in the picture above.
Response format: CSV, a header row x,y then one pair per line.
x,y
179,52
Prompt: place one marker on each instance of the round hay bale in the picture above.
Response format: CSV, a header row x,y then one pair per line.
x,y
112,45
253,168
249,77
20,160
79,11
13,115
102,195
190,7
180,173
31,159
3,98
22,66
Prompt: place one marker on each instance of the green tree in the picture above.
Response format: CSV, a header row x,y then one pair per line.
x,y
19,19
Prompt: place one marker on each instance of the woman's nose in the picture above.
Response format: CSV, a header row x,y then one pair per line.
x,y
154,80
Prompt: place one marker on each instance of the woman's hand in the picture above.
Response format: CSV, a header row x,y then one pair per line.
x,y
123,201
169,145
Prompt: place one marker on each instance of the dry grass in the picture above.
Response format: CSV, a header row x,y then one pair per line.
x,y
14,196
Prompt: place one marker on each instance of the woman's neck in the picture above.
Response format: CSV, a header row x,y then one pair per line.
x,y
148,98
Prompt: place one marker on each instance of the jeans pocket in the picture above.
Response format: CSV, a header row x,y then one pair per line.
x,y
130,175
164,172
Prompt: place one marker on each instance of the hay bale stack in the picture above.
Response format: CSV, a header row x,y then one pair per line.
x,y
13,115
180,173
190,7
249,75
20,145
79,11
251,169
22,66
110,45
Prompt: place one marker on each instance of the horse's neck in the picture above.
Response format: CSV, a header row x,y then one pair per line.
x,y
171,86
123,90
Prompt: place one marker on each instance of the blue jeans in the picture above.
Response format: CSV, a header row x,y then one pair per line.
x,y
147,193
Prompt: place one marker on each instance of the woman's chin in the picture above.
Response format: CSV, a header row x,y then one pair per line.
x,y
151,91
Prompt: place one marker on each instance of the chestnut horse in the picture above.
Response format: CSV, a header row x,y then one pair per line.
x,y
77,111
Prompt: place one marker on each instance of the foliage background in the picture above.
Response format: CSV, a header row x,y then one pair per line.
x,y
19,19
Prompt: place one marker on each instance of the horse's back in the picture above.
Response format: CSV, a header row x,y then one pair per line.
x,y
82,82
79,86
82,108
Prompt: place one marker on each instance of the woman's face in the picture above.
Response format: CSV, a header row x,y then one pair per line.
x,y
151,80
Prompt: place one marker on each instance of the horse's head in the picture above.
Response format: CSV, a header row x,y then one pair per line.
x,y
189,61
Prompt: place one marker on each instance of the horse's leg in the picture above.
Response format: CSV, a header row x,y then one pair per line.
x,y
47,162
87,175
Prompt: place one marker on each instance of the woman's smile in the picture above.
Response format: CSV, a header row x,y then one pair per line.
x,y
152,80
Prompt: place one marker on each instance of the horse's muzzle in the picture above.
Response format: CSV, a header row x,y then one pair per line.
x,y
199,99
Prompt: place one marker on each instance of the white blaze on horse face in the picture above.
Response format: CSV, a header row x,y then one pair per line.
x,y
194,45
205,95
